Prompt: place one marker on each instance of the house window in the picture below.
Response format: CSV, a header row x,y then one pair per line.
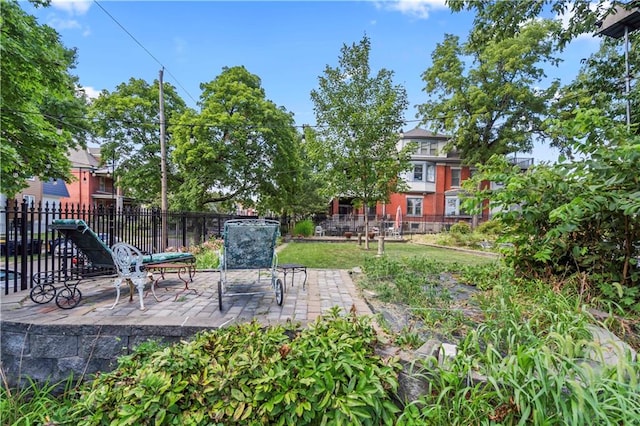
x,y
431,172
418,172
452,207
102,187
455,177
428,148
424,172
30,199
414,206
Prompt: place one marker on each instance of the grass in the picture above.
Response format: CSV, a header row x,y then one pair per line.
x,y
348,255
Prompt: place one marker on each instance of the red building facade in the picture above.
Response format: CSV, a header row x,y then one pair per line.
x,y
434,195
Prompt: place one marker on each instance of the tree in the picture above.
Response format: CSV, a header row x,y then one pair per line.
x,y
600,84
503,19
127,120
358,117
575,219
488,97
41,106
296,195
232,150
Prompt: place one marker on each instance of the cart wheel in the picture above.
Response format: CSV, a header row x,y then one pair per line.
x,y
68,298
220,295
279,291
44,291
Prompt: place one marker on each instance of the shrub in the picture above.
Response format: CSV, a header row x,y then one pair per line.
x,y
326,373
462,228
305,228
490,227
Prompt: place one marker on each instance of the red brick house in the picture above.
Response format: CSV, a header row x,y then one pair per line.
x,y
434,193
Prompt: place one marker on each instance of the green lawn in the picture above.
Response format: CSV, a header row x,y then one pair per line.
x,y
345,255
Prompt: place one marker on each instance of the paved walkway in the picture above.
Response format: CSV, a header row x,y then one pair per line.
x,y
324,290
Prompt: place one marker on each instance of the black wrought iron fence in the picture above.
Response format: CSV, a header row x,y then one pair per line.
x,y
28,246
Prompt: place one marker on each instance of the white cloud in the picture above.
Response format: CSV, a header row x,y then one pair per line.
x,y
415,8
73,7
91,92
63,24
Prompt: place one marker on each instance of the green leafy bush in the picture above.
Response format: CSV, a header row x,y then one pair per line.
x,y
490,228
326,373
574,218
462,228
207,254
305,228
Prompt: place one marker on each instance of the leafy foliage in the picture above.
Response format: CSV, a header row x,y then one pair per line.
x,y
325,374
38,99
126,119
358,117
579,217
304,227
582,17
531,362
240,147
34,402
496,104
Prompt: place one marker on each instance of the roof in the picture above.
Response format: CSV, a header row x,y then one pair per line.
x,y
55,187
622,17
422,133
83,158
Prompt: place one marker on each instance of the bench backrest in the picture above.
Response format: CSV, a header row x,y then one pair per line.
x,y
128,260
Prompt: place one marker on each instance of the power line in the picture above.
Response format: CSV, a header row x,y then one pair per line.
x,y
145,49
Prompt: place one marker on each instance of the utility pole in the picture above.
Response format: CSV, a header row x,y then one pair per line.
x,y
163,171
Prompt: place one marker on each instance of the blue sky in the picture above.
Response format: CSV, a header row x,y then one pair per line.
x,y
287,44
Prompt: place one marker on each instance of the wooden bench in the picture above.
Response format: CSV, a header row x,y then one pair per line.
x,y
186,271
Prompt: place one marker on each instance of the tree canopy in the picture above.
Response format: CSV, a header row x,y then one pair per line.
x,y
236,148
488,97
42,107
126,121
358,116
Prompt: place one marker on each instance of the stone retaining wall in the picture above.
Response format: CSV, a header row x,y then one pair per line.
x,y
55,352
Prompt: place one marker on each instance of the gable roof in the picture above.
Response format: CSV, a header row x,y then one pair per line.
x,y
422,133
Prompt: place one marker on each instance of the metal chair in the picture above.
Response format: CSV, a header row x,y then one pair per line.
x,y
250,244
128,262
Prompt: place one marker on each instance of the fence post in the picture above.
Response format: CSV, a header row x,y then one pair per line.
x,y
23,246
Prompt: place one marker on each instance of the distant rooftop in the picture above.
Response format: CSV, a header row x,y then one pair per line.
x,y
422,133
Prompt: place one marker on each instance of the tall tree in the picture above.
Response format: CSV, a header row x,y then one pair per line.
x,y
127,121
41,105
296,194
231,151
358,116
600,84
489,98
502,19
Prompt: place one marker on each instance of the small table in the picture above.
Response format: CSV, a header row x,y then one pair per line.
x,y
285,268
188,269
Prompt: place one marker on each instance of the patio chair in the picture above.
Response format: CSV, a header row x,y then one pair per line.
x,y
99,261
249,244
319,231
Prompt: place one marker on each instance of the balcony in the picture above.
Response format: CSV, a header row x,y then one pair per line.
x,y
522,163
